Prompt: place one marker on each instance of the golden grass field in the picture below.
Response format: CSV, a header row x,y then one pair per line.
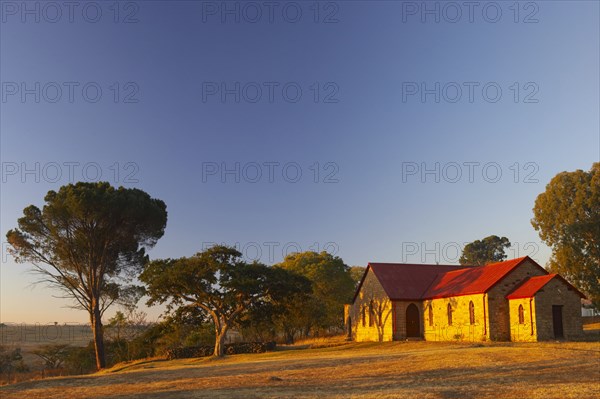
x,y
358,370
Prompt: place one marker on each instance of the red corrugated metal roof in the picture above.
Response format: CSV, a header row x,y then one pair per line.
x,y
417,282
532,285
474,280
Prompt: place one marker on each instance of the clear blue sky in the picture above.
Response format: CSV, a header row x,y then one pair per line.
x,y
367,120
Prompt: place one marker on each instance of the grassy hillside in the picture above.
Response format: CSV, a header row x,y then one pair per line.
x,y
366,370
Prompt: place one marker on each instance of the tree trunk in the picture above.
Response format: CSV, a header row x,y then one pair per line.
x,y
306,331
289,336
220,343
98,337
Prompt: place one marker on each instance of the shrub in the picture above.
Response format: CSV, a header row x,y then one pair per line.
x,y
230,349
81,360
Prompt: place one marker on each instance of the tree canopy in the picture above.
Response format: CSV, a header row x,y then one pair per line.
x,y
567,217
89,241
332,287
357,272
488,250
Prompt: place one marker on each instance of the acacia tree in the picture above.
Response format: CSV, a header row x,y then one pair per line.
x,y
53,355
567,217
481,252
89,241
219,283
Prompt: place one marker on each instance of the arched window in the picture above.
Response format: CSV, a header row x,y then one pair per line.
x,y
430,315
371,314
471,312
363,316
449,314
521,315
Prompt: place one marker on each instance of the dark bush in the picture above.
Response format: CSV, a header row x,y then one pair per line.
x,y
230,349
81,360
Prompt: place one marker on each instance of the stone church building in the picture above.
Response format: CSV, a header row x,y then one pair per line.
x,y
514,300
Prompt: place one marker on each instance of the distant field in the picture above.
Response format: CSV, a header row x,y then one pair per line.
x,y
29,337
357,370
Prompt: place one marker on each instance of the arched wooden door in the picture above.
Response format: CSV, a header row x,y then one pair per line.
x,y
413,328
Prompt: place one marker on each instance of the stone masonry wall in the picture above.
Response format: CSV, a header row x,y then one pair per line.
x,y
526,331
377,327
557,292
438,329
499,315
